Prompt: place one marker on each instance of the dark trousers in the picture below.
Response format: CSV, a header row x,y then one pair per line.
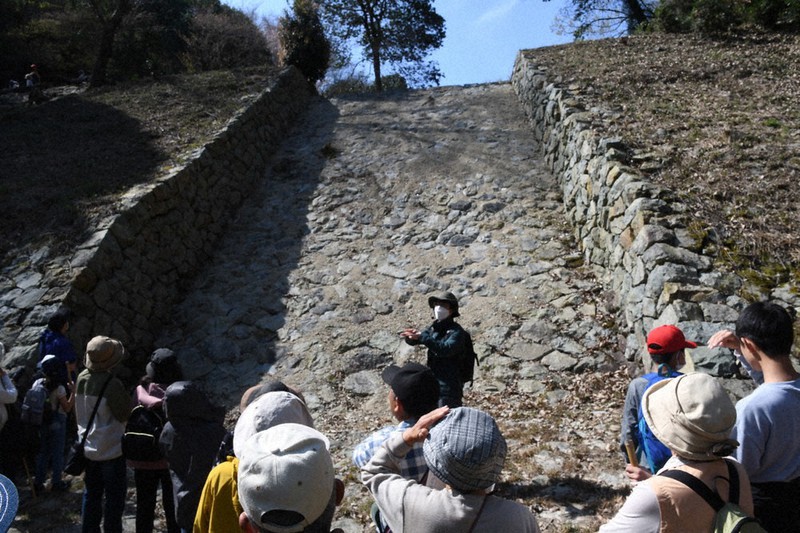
x,y
147,482
104,479
777,505
450,393
51,450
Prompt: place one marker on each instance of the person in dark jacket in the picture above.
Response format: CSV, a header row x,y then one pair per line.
x,y
447,342
190,441
53,340
162,370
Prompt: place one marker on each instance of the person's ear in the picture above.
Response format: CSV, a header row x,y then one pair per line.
x,y
245,524
339,486
751,347
398,410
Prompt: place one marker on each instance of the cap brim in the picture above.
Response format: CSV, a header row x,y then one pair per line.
x,y
690,344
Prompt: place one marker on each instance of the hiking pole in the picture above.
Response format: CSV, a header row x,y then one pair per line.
x,y
631,450
28,475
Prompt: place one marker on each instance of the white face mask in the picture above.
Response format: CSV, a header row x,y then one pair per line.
x,y
440,312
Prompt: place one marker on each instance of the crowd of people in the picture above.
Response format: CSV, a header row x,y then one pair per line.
x,y
437,467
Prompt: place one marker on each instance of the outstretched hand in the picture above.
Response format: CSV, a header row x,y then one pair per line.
x,y
725,339
419,431
410,333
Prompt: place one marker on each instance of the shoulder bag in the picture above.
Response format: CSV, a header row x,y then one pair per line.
x,y
76,459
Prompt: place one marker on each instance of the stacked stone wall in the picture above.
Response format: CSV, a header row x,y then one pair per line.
x,y
125,279
635,235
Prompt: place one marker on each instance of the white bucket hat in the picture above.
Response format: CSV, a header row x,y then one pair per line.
x,y
692,415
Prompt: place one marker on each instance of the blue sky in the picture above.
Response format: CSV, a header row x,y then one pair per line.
x,y
483,36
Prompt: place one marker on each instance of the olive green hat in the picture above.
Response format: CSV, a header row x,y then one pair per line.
x,y
447,297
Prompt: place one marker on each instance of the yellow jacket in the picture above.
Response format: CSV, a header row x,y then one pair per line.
x,y
219,509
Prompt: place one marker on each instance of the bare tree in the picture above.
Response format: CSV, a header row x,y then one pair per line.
x,y
110,14
604,18
398,32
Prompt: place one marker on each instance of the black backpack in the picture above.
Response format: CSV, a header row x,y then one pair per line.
x,y
466,366
140,440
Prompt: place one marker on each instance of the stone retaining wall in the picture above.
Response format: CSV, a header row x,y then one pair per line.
x,y
635,235
124,281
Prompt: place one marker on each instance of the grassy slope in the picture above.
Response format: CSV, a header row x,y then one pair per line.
x,y
64,161
716,121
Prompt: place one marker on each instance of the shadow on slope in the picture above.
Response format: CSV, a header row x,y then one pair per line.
x,y
242,291
579,497
54,175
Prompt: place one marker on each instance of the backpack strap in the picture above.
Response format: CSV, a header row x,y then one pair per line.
x,y
733,482
711,497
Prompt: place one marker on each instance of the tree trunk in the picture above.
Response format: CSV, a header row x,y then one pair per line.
x,y
106,47
636,13
376,69
104,53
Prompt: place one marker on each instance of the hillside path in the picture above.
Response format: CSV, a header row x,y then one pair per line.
x,y
371,204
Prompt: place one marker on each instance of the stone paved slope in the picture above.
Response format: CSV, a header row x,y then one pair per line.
x,y
372,204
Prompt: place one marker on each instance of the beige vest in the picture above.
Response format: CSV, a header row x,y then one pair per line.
x,y
683,510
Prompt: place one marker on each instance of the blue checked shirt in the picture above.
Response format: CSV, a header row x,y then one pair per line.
x,y
413,466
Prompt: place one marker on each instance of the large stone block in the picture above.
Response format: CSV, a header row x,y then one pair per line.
x,y
660,253
669,272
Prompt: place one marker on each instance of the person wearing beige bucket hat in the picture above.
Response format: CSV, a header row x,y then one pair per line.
x,y
105,475
103,353
693,415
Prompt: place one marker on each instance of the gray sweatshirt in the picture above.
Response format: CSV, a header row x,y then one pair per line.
x,y
408,507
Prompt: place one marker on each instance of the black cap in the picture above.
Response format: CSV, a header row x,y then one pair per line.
x,y
415,386
163,366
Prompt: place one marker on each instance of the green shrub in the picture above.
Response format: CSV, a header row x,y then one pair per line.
x,y
223,40
394,82
712,17
774,14
303,40
352,83
672,16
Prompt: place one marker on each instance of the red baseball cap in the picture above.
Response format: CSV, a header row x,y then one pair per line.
x,y
666,340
